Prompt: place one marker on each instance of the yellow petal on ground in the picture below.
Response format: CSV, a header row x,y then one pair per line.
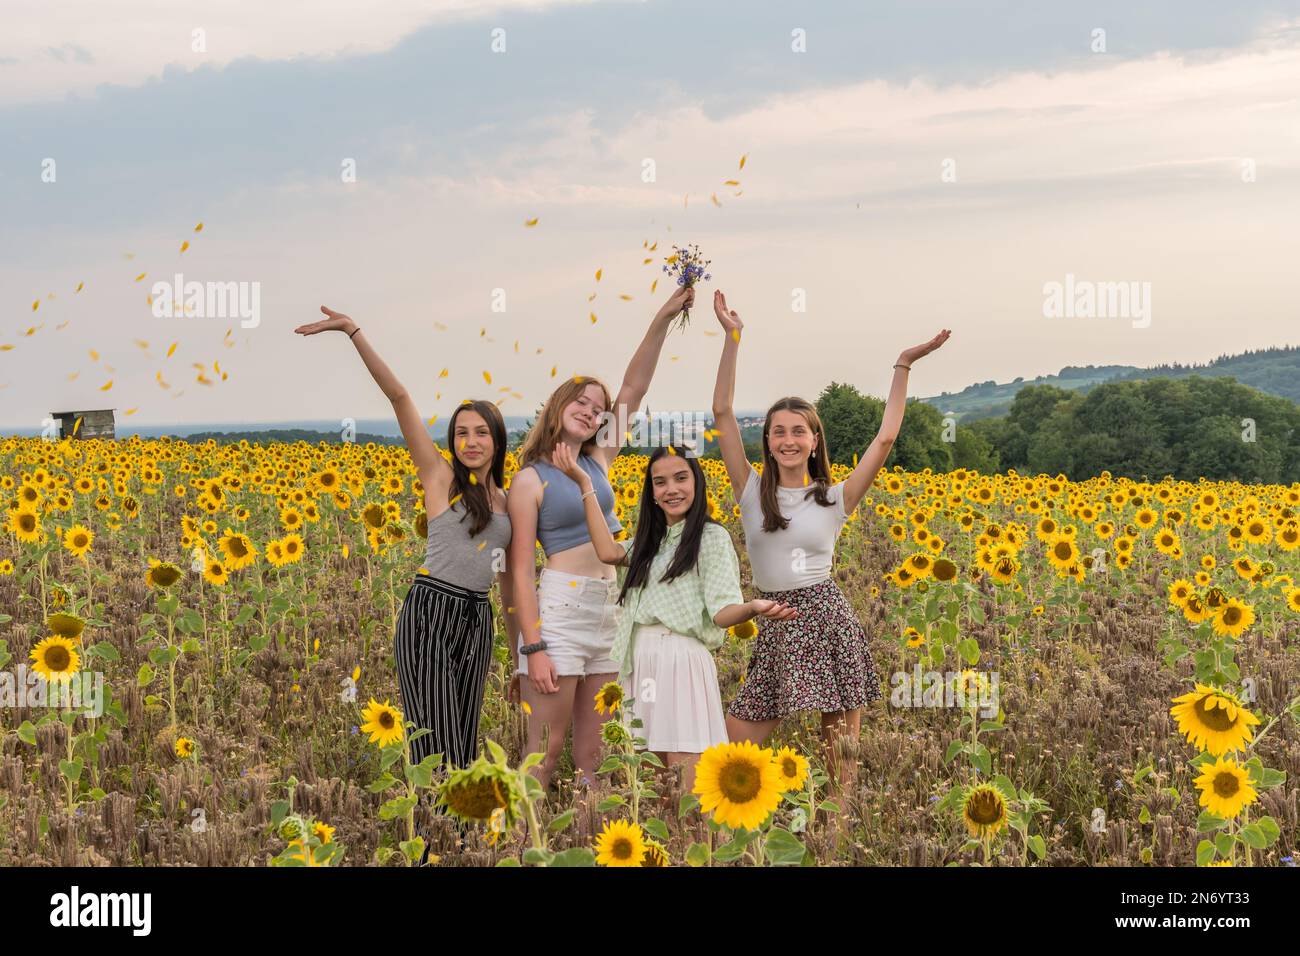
x,y
224,376
671,259
171,350
625,297
516,346
530,222
106,386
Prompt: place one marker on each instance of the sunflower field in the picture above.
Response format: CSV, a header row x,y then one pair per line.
x,y
238,602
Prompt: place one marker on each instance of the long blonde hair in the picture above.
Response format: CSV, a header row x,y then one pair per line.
x,y
548,430
819,464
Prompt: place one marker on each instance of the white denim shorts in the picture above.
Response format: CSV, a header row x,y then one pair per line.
x,y
579,620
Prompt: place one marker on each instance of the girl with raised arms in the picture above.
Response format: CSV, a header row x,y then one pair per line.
x,y
443,642
568,620
792,515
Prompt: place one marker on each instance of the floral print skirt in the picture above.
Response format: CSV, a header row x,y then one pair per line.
x,y
818,660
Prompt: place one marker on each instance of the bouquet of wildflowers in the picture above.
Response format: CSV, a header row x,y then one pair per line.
x,y
688,266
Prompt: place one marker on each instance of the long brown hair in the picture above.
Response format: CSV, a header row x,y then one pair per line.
x,y
548,430
473,494
819,464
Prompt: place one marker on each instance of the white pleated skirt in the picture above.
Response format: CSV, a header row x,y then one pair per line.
x,y
674,691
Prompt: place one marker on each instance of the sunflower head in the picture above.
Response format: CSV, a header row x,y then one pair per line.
x,y
474,793
620,843
1213,720
656,854
609,698
66,625
382,722
184,747
739,783
1225,787
162,574
984,810
792,769
56,658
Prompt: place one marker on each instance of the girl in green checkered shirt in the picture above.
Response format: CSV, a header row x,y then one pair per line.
x,y
680,595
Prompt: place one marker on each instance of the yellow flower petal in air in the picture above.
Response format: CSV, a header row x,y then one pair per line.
x,y
106,386
132,411
731,182
625,297
199,227
141,276
553,368
593,318
714,197
172,349
36,305
530,222
653,285
742,160
487,377
185,245
80,286
598,272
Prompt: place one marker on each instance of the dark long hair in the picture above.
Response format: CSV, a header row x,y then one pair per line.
x,y
478,506
652,527
819,464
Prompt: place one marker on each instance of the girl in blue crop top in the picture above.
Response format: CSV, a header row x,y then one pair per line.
x,y
568,620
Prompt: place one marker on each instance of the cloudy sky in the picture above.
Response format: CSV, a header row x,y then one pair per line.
x,y
909,166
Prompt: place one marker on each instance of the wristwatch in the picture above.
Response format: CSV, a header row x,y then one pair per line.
x,y
533,648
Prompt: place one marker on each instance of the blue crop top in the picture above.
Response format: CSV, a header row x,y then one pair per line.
x,y
561,520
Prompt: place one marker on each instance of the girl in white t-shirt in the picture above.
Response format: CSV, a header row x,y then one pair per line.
x,y
792,516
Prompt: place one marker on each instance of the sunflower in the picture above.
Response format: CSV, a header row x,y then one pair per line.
x,y
382,722
56,658
1005,570
792,767
1062,552
656,854
1179,592
1195,610
6,568
216,573
609,698
293,548
944,570
374,515
1292,599
323,832
1167,541
920,564
620,844
238,549
66,625
475,793
275,553
1233,617
1225,788
744,630
26,525
984,810
78,540
914,637
162,574
1213,720
184,747
739,783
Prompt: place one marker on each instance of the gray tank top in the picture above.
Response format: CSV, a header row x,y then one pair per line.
x,y
453,556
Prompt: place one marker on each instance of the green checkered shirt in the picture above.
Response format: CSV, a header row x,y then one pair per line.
x,y
687,603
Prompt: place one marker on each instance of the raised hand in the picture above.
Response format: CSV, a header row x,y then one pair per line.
x,y
729,319
334,322
680,301
909,356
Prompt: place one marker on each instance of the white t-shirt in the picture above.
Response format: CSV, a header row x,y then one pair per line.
x,y
800,554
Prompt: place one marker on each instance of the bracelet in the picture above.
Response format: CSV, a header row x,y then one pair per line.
x,y
585,493
900,365
354,332
533,648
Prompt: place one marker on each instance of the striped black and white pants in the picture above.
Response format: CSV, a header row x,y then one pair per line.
x,y
443,647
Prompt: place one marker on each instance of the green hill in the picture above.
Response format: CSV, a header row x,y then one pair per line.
x,y
1275,371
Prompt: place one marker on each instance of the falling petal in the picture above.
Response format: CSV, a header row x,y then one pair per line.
x,y
76,426
591,297
131,411
553,368
487,377
598,272
593,318
80,286
172,349
731,182
6,347
106,386
646,262
714,197
653,285
432,420
530,222
199,227
742,160
443,373
141,343
655,246
36,305
141,276
185,245
625,297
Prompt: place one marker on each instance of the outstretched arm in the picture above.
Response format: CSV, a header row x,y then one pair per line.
x,y
640,371
869,465
430,464
724,395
